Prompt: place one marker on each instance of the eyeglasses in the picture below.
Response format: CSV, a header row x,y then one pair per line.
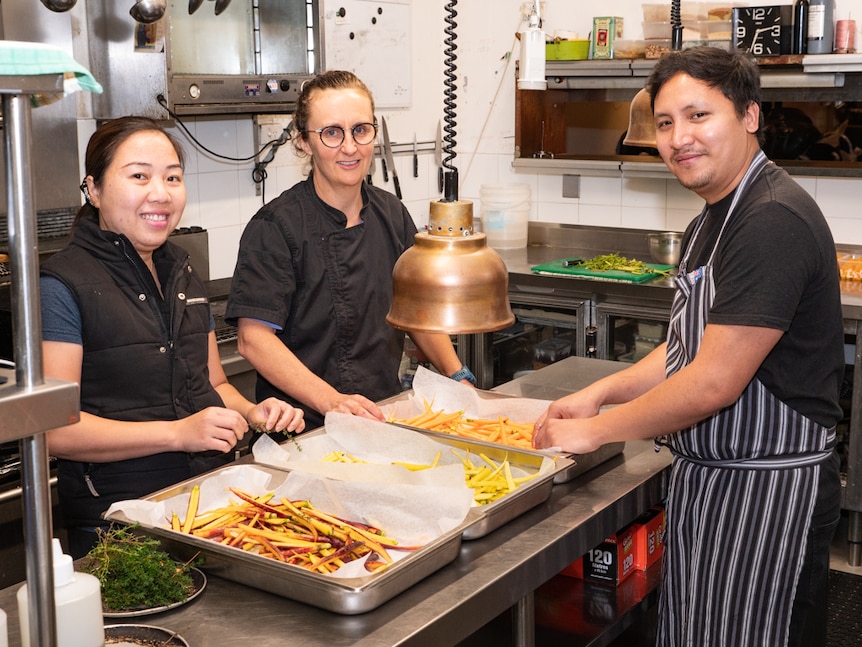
x,y
333,136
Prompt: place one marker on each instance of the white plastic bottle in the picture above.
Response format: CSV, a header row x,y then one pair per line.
x,y
78,602
4,632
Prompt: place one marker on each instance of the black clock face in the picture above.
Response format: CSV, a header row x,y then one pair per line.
x,y
757,30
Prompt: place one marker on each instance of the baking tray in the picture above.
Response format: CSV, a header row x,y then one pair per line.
x,y
482,519
349,596
556,268
573,466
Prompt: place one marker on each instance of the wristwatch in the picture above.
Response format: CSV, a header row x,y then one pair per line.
x,y
464,374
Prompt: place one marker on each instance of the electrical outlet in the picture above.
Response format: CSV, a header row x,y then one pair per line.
x,y
271,127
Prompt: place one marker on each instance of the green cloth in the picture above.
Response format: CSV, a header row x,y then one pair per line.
x,y
19,58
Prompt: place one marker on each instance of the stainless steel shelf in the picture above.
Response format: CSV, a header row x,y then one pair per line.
x,y
29,411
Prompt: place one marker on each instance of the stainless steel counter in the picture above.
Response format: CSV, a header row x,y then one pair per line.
x,y
490,574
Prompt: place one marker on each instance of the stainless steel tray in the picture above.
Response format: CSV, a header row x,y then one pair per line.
x,y
576,464
348,596
484,518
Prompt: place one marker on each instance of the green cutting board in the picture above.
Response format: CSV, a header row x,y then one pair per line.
x,y
556,268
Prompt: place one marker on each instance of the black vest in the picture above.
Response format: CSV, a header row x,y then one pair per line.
x,y
145,358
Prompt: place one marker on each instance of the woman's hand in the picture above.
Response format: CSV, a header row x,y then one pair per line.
x,y
273,414
214,428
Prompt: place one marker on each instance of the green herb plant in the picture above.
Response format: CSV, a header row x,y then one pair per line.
x,y
135,573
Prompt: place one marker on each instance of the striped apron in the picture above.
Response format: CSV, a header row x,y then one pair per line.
x,y
742,490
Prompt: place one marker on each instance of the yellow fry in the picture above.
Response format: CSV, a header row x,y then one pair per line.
x,y
194,498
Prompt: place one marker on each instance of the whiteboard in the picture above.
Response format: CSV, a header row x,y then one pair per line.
x,y
371,38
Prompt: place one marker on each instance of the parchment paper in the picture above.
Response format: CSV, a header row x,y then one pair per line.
x,y
412,514
450,396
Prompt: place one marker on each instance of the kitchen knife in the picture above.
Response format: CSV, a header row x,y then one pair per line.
x,y
387,157
415,158
438,156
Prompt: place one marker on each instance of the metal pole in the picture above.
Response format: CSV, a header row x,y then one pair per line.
x,y
27,327
524,624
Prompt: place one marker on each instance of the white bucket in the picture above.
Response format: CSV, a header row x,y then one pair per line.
x,y
505,213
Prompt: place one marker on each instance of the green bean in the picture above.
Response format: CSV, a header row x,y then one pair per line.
x,y
616,262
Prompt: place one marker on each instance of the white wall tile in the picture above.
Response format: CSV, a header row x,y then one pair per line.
x,y
643,217
220,203
192,213
839,197
678,197
644,192
847,231
224,244
679,219
598,215
559,212
601,191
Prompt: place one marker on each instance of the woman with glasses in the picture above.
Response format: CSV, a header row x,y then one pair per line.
x,y
313,279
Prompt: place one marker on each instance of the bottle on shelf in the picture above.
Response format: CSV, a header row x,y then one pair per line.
x,y
799,44
821,27
78,602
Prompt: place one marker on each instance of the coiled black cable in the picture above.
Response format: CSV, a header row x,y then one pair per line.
x,y
676,25
450,177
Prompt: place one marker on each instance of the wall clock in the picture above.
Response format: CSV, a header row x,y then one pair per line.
x,y
757,30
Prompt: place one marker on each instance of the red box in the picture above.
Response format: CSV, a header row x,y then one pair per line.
x,y
610,562
649,537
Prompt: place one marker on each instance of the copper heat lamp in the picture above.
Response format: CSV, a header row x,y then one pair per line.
x,y
641,131
450,281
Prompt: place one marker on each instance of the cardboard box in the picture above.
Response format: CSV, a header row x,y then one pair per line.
x,y
649,537
610,562
606,29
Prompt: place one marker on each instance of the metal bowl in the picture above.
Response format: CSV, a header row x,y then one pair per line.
x,y
665,247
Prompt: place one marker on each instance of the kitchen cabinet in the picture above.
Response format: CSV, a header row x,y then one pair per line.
x,y
576,126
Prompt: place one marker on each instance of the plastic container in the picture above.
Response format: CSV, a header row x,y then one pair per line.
x,y
567,50
78,600
4,632
654,30
629,49
505,214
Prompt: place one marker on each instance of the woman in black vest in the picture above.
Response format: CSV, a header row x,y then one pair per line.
x,y
126,316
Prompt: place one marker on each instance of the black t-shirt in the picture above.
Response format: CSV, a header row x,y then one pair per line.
x,y
776,267
327,287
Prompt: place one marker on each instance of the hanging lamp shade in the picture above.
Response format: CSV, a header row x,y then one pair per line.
x,y
641,130
450,281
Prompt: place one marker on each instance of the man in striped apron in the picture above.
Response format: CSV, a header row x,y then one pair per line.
x,y
744,392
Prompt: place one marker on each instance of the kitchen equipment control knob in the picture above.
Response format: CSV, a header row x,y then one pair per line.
x,y
195,91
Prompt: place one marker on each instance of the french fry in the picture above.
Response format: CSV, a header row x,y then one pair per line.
x,y
194,498
501,430
290,531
